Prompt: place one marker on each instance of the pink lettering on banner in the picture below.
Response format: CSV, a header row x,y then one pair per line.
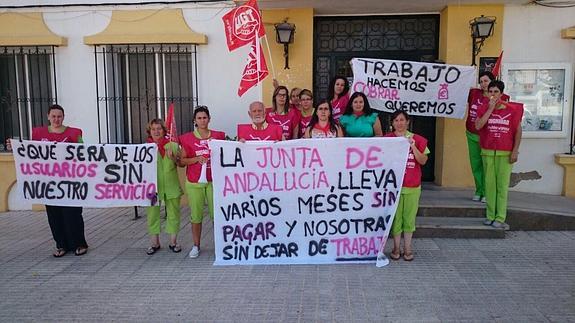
x,y
355,157
289,157
379,92
276,181
125,191
60,170
358,246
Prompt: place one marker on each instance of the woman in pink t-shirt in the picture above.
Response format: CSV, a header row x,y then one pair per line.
x,y
280,113
338,93
404,220
322,124
66,222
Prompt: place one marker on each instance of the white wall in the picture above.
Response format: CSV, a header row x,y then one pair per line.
x,y
532,34
219,71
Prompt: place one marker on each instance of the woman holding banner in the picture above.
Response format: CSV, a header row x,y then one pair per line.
x,y
499,125
475,99
359,119
169,190
338,93
322,124
281,114
196,157
307,110
66,222
404,220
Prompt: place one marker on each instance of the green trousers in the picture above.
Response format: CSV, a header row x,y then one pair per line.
x,y
200,194
497,175
476,163
172,217
408,204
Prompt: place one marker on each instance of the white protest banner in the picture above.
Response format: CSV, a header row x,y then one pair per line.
x,y
89,175
311,201
424,89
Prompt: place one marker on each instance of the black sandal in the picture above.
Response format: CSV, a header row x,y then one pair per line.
x,y
81,251
60,252
152,250
175,248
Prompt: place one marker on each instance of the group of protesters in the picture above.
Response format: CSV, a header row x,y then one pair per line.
x,y
293,115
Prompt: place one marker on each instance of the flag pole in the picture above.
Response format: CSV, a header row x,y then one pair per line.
x,y
270,55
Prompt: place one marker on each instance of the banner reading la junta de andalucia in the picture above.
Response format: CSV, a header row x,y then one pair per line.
x,y
307,201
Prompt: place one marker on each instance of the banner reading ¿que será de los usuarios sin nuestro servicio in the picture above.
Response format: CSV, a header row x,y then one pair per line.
x,y
88,175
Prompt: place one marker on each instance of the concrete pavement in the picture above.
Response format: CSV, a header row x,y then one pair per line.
x,y
529,276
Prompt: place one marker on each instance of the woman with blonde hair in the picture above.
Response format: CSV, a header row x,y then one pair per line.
x,y
169,190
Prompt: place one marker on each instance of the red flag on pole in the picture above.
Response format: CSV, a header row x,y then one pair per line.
x,y
497,67
242,25
255,71
171,124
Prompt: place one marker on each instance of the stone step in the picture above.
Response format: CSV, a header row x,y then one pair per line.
x,y
456,227
477,211
518,219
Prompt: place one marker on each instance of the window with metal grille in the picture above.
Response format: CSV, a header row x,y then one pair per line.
x,y
27,89
137,83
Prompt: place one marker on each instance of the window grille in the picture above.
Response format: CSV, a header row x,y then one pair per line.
x,y
27,89
137,83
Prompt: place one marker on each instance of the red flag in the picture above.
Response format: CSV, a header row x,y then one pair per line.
x,y
253,72
241,25
171,124
497,67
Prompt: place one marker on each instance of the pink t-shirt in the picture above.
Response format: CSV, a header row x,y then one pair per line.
x,y
271,132
499,131
194,146
474,101
288,122
303,124
70,134
338,105
412,177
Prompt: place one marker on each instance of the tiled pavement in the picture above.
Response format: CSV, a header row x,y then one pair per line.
x,y
529,276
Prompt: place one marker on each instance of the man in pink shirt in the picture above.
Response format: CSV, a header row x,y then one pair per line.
x,y
259,129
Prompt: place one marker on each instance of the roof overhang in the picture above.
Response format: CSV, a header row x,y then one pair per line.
x,y
163,26
27,29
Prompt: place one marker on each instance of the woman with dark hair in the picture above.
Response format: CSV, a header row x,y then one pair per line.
x,y
322,124
196,157
66,222
475,99
169,190
280,113
499,125
338,93
359,119
307,110
404,220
